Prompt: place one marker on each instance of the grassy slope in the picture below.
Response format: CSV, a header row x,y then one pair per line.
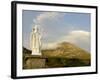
x,y
65,55
67,50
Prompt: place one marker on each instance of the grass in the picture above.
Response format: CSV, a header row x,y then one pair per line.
x,y
65,55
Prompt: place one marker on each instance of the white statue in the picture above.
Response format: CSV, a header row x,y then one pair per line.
x,y
35,41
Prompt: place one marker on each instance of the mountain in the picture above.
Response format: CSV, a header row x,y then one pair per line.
x,y
67,50
65,55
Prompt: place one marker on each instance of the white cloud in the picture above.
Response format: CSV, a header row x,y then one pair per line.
x,y
42,18
52,45
73,36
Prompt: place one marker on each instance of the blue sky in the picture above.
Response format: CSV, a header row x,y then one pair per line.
x,y
57,27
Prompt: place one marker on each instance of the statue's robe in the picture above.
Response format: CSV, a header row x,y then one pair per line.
x,y
35,43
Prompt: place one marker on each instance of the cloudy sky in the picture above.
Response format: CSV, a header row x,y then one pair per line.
x,y
57,27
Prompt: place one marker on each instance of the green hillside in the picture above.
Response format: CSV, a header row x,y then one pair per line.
x,y
67,50
65,55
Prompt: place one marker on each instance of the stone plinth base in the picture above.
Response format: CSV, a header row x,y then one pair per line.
x,y
36,53
33,62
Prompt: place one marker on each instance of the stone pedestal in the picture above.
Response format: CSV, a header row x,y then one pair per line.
x,y
34,62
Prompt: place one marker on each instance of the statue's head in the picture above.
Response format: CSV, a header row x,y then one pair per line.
x,y
35,29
